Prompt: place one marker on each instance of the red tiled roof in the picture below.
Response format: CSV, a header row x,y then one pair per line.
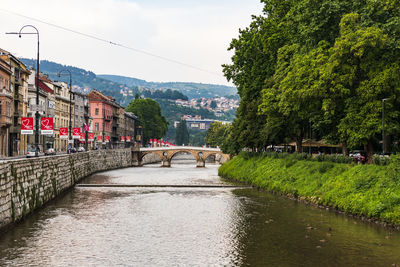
x,y
45,79
45,87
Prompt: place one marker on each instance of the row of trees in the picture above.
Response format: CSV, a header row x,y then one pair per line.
x,y
326,63
167,94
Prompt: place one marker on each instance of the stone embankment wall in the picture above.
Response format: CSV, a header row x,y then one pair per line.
x,y
27,184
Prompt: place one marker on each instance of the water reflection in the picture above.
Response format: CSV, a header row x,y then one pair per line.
x,y
190,227
124,226
286,233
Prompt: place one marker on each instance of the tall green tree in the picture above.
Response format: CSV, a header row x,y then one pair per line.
x,y
217,134
362,72
182,133
149,113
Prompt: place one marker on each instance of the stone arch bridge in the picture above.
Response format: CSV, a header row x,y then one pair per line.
x,y
167,153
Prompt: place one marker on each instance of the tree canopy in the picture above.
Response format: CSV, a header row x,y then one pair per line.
x,y
217,134
327,64
149,113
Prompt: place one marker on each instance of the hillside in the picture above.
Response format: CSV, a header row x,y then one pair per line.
x,y
83,79
192,90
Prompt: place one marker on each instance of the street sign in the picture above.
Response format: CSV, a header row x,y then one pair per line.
x,y
34,107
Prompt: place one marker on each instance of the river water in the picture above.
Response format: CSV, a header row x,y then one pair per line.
x,y
156,226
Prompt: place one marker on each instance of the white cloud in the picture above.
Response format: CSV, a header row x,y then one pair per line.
x,y
196,34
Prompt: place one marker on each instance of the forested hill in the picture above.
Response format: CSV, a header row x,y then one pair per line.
x,y
83,79
192,90
112,84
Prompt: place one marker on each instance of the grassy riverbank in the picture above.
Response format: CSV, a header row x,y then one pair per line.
x,y
367,190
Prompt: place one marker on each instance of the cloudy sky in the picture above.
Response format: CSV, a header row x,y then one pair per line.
x,y
193,32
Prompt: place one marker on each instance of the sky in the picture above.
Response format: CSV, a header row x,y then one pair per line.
x,y
195,33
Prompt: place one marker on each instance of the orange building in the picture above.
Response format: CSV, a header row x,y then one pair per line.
x,y
101,110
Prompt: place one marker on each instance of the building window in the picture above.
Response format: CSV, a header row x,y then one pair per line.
x,y
96,112
96,126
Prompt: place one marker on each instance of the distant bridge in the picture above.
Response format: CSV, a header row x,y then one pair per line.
x,y
167,153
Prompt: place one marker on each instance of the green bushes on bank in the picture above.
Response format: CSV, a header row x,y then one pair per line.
x,y
368,190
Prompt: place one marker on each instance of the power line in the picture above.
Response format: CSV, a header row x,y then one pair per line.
x,y
111,42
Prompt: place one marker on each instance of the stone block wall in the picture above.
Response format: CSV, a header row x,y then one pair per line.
x,y
26,184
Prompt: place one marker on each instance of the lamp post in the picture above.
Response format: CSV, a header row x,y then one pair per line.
x,y
70,106
383,125
36,82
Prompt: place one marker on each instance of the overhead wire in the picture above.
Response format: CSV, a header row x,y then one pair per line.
x,y
91,36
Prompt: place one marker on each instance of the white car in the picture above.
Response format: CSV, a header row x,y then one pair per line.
x,y
81,149
32,153
50,151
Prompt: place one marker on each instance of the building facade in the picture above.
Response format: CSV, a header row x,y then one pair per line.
x,y
17,143
82,112
6,100
111,119
62,116
101,111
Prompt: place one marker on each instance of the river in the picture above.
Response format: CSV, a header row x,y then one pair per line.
x,y
199,226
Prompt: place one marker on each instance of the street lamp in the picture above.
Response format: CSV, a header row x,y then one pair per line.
x,y
383,125
70,100
36,82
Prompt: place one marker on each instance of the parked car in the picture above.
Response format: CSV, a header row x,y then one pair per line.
x,y
31,152
50,151
81,149
359,156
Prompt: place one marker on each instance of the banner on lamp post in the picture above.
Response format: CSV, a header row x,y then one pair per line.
x,y
90,137
128,138
76,133
122,138
63,133
82,137
27,125
100,138
46,126
106,139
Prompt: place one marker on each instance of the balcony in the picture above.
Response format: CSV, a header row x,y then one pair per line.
x,y
5,121
19,98
6,93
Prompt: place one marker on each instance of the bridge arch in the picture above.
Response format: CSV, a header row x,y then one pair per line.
x,y
174,153
157,153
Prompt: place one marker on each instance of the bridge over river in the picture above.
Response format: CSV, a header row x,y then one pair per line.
x,y
167,153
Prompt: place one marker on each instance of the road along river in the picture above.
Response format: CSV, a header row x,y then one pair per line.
x,y
118,225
